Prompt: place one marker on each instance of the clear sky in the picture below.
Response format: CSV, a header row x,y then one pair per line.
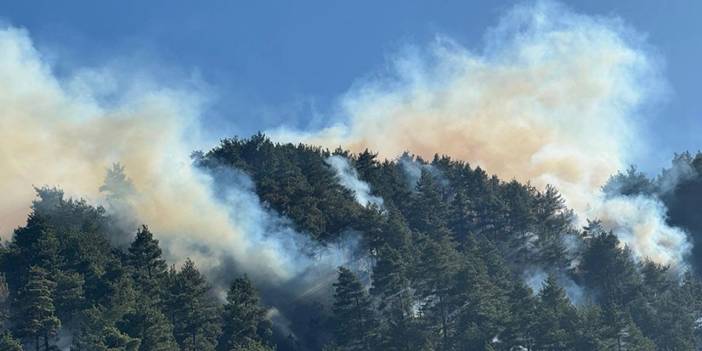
x,y
285,62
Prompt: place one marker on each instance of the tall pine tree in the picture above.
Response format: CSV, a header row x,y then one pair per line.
x,y
353,313
37,314
149,268
192,311
243,319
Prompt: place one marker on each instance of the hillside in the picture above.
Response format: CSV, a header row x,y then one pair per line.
x,y
402,254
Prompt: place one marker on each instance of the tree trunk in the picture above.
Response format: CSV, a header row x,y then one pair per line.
x,y
194,337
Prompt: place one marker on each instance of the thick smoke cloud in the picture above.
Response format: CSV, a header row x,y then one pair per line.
x,y
555,97
348,178
65,133
640,223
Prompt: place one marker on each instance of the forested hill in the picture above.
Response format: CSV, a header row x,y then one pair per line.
x,y
451,258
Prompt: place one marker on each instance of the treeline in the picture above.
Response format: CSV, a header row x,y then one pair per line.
x,y
64,285
451,247
460,261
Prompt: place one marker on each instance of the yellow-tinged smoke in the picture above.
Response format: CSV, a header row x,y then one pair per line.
x,y
555,98
63,133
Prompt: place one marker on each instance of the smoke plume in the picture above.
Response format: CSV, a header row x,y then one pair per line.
x,y
348,178
69,132
554,97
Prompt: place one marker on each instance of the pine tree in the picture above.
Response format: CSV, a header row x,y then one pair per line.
x,y
610,270
483,309
117,186
119,192
591,329
519,328
97,332
34,245
462,216
353,313
4,302
192,311
674,324
243,317
557,318
37,314
9,343
436,278
70,297
428,212
392,288
149,325
147,264
552,221
630,338
367,166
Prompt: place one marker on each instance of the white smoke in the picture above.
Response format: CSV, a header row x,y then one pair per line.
x,y
65,133
412,167
535,278
348,178
681,170
639,222
555,97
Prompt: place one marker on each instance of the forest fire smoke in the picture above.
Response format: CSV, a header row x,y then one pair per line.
x,y
554,98
58,133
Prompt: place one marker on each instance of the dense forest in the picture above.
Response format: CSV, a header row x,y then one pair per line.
x,y
448,258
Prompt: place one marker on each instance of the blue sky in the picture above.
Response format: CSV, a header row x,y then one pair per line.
x,y
286,62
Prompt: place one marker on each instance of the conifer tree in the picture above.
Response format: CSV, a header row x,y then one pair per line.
x,y
591,329
4,302
70,297
148,324
35,245
392,288
436,278
147,264
353,313
367,166
243,318
519,328
557,318
37,314
481,309
610,270
98,332
462,216
428,212
192,311
9,343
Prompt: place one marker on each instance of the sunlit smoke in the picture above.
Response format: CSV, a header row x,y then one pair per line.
x,y
348,178
555,97
639,222
63,132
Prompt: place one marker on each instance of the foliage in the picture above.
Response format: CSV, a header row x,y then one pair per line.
x,y
449,250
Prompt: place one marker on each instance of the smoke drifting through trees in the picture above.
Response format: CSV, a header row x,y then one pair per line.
x,y
551,100
68,138
554,97
348,177
675,191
